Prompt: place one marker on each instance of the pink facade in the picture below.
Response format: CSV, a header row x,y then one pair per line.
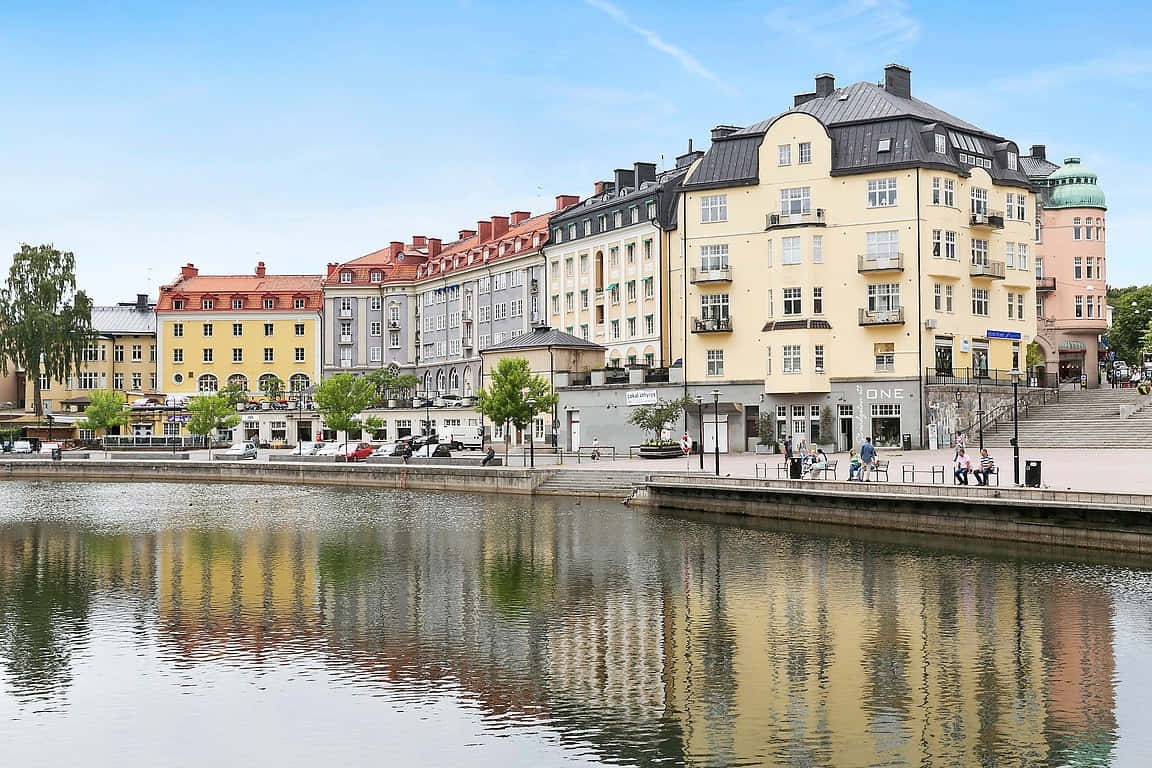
x,y
1071,282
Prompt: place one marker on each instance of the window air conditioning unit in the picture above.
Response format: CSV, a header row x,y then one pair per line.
x,y
930,324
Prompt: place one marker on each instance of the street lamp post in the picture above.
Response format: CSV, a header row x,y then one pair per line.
x,y
716,426
980,412
700,419
1015,427
427,417
531,442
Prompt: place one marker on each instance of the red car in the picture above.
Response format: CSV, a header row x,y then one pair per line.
x,y
360,452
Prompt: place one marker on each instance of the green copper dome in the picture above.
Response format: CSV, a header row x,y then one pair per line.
x,y
1074,186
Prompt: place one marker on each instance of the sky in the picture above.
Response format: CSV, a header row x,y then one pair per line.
x,y
145,135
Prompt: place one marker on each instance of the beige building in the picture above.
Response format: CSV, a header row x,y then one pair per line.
x,y
834,257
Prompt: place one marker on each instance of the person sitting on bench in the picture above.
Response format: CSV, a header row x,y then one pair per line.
x,y
986,467
854,466
963,467
819,462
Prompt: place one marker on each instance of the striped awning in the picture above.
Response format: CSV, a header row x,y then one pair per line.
x,y
1072,346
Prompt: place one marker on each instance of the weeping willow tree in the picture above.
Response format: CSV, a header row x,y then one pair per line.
x,y
45,323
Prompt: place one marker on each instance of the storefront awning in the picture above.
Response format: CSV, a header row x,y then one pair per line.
x,y
1072,346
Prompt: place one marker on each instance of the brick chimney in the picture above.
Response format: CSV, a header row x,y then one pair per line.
x,y
259,269
188,270
434,244
898,80
332,267
499,226
564,201
395,248
419,241
604,186
519,217
485,230
464,234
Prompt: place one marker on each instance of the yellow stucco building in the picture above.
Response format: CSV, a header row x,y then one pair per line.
x,y
833,256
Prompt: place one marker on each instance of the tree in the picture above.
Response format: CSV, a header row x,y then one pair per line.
x,y
272,387
1132,308
341,397
45,323
234,394
513,385
654,418
211,412
105,409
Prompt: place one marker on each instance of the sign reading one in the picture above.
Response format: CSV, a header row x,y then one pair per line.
x,y
641,397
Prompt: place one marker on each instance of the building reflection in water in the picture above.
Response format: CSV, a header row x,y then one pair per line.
x,y
638,638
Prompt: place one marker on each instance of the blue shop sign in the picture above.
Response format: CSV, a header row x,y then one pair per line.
x,y
1004,335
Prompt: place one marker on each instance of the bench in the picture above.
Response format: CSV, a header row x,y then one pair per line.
x,y
824,472
994,472
911,471
881,468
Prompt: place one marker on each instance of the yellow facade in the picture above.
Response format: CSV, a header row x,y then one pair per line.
x,y
124,363
204,351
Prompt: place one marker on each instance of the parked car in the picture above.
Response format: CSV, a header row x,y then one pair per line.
x,y
433,450
330,449
355,452
22,446
458,437
446,401
46,449
241,451
306,448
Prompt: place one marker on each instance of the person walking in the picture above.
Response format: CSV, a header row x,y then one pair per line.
x,y
963,467
961,444
867,458
595,449
787,448
986,465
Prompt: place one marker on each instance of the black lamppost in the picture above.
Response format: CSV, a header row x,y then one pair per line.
x,y
1015,427
980,411
48,416
427,417
700,419
716,426
531,426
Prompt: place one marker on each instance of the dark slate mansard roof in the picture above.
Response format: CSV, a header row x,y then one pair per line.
x,y
663,190
542,338
857,116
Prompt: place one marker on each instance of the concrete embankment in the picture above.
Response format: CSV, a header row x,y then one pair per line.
x,y
1113,521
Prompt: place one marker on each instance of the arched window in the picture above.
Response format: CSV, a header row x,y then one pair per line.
x,y
468,382
299,382
440,388
427,382
208,383
239,380
264,379
454,381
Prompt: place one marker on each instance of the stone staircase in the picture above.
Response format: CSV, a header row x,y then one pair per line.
x,y
608,483
1083,418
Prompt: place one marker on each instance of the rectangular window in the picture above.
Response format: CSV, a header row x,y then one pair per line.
x,y
177,329
817,249
237,355
207,355
713,208
979,202
979,251
206,304
793,303
1011,157
714,306
568,303
884,297
268,355
649,325
795,201
1088,268
784,154
1009,209
805,152
817,301
374,303
881,193
713,257
941,144
1020,208
269,303
237,329
177,356
615,326
630,252
375,328
1020,306
791,358
936,190
950,193
267,329
300,354
818,358
1010,255
937,244
980,301
715,362
117,353
949,295
789,250
938,297
883,245
630,290
631,325
1078,268
583,298
117,381
1011,305
885,356
1022,255
950,245
1079,306
207,329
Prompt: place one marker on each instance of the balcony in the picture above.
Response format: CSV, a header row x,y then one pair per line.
x,y
779,220
393,325
466,316
712,325
721,275
466,342
346,312
988,220
993,270
345,338
889,263
882,317
1045,284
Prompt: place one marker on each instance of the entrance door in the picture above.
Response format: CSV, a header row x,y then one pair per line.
x,y
943,357
844,437
303,431
573,430
980,359
141,430
713,431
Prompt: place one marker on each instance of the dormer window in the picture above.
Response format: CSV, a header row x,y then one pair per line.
x,y
206,304
501,251
885,145
1011,161
617,218
269,303
178,304
535,241
237,303
572,231
941,144
299,303
376,276
345,277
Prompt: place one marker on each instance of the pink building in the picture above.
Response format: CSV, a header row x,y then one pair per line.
x,y
1071,268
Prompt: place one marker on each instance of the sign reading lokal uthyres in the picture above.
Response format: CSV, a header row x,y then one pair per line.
x,y
641,397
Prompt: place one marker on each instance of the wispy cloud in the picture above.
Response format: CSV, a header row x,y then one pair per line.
x,y
874,25
1123,64
686,60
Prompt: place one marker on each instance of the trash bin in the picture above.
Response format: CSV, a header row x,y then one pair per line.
x,y
906,442
1032,474
795,468
55,453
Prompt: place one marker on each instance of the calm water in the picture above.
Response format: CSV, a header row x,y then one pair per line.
x,y
237,625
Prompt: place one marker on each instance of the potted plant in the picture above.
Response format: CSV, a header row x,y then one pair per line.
x,y
766,443
827,438
653,419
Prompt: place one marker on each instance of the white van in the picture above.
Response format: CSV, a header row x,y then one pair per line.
x,y
457,437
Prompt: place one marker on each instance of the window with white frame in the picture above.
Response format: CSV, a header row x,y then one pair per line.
x,y
979,251
631,327
790,250
979,201
1022,255
937,244
1011,159
299,354
1011,305
937,190
784,154
1009,208
516,307
1010,255
714,306
949,198
817,300
614,329
881,193
883,245
715,362
1020,203
584,300
649,325
713,257
795,201
1078,268
941,144
630,290
938,297
949,296
790,358
177,357
818,358
884,354
649,287
817,249
793,301
501,311
884,297
768,361
980,302
713,208
950,245
805,152
374,328
1020,306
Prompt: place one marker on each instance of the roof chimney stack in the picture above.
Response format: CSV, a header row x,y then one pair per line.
x,y
332,267
395,248
604,186
464,234
644,172
141,302
419,241
1039,151
434,244
485,230
564,201
519,217
721,131
825,84
188,270
898,80
625,177
499,226
259,269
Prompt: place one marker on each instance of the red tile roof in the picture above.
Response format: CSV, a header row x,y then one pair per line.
x,y
193,288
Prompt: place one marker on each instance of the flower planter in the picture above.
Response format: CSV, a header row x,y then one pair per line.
x,y
661,451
